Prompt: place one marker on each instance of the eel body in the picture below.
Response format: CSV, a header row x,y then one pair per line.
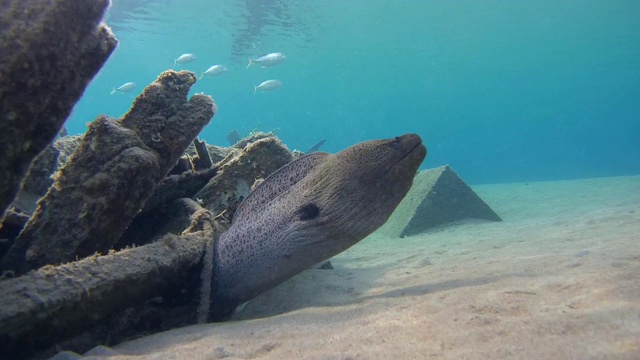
x,y
308,211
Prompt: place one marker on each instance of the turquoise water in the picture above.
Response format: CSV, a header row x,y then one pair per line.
x,y
501,90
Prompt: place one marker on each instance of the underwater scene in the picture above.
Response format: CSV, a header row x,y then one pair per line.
x,y
503,91
298,179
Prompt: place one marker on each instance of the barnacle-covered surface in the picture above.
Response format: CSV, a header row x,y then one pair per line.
x,y
50,52
111,175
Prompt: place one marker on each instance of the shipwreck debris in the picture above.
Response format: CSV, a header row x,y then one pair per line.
x,y
203,159
111,175
316,146
56,47
238,172
56,303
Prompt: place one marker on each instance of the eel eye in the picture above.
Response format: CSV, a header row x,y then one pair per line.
x,y
308,212
395,144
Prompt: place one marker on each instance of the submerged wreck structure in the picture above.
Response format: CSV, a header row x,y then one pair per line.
x,y
64,285
50,52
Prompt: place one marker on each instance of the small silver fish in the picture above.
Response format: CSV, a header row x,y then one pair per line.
x,y
124,88
268,60
268,85
214,70
184,59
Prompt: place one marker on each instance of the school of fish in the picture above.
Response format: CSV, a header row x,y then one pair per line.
x,y
267,60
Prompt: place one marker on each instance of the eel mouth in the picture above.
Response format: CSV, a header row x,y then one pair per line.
x,y
419,151
415,151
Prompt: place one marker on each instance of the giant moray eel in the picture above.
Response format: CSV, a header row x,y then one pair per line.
x,y
309,210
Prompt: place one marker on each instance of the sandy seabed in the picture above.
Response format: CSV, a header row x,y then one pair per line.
x,y
559,278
